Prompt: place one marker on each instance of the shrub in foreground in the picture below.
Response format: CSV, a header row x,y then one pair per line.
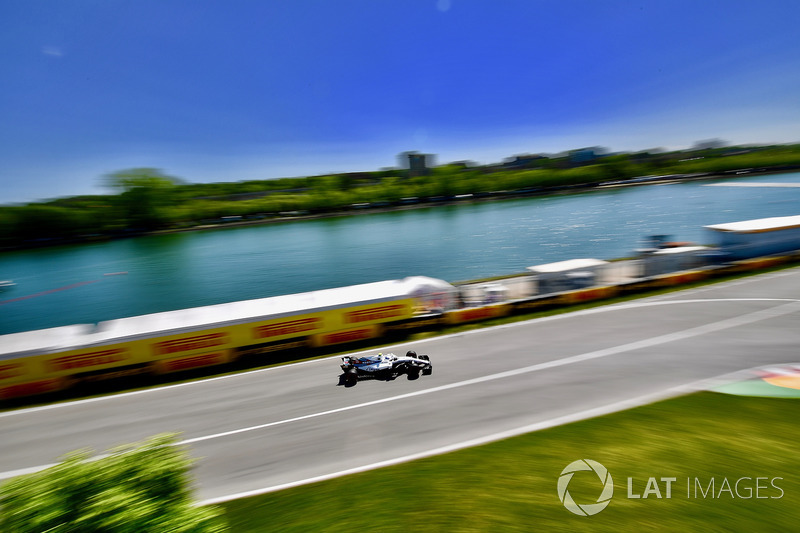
x,y
137,488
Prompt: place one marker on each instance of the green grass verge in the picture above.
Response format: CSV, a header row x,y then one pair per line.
x,y
511,485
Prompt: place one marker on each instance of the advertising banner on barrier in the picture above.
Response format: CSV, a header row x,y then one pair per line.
x,y
287,327
172,353
679,278
86,360
11,370
31,388
689,277
348,335
587,295
394,311
763,262
254,350
472,314
191,343
192,361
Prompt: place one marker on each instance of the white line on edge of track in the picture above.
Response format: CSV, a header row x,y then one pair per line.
x,y
645,301
537,426
642,302
790,307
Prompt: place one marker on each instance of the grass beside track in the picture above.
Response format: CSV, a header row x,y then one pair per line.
x,y
510,485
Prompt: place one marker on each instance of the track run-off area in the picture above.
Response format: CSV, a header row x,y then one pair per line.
x,y
274,428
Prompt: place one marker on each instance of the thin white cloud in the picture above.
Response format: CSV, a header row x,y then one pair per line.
x,y
53,51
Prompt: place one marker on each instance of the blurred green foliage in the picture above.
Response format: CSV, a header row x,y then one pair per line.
x,y
135,489
145,199
145,194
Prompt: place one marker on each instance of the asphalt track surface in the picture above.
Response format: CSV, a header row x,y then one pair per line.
x,y
274,428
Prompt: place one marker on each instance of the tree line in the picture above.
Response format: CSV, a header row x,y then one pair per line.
x,y
144,200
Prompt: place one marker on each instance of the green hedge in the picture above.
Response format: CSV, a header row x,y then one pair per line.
x,y
137,488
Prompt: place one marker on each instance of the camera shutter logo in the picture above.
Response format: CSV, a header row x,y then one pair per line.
x,y
590,508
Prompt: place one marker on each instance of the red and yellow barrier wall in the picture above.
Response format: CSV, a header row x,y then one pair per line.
x,y
48,372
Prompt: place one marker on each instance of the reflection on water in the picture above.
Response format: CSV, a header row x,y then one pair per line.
x,y
451,242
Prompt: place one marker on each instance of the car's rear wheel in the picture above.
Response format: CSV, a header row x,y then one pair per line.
x,y
351,377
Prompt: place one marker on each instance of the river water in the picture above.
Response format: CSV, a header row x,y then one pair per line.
x,y
93,282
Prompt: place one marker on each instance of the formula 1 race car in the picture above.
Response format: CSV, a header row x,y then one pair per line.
x,y
385,366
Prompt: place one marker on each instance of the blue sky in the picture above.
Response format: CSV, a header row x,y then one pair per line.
x,y
244,89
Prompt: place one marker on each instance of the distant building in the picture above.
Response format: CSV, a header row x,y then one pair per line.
x,y
583,156
417,164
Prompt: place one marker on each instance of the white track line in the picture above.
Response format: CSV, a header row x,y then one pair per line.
x,y
642,302
764,314
791,307
537,426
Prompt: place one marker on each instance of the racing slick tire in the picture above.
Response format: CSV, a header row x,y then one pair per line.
x,y
413,373
351,377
